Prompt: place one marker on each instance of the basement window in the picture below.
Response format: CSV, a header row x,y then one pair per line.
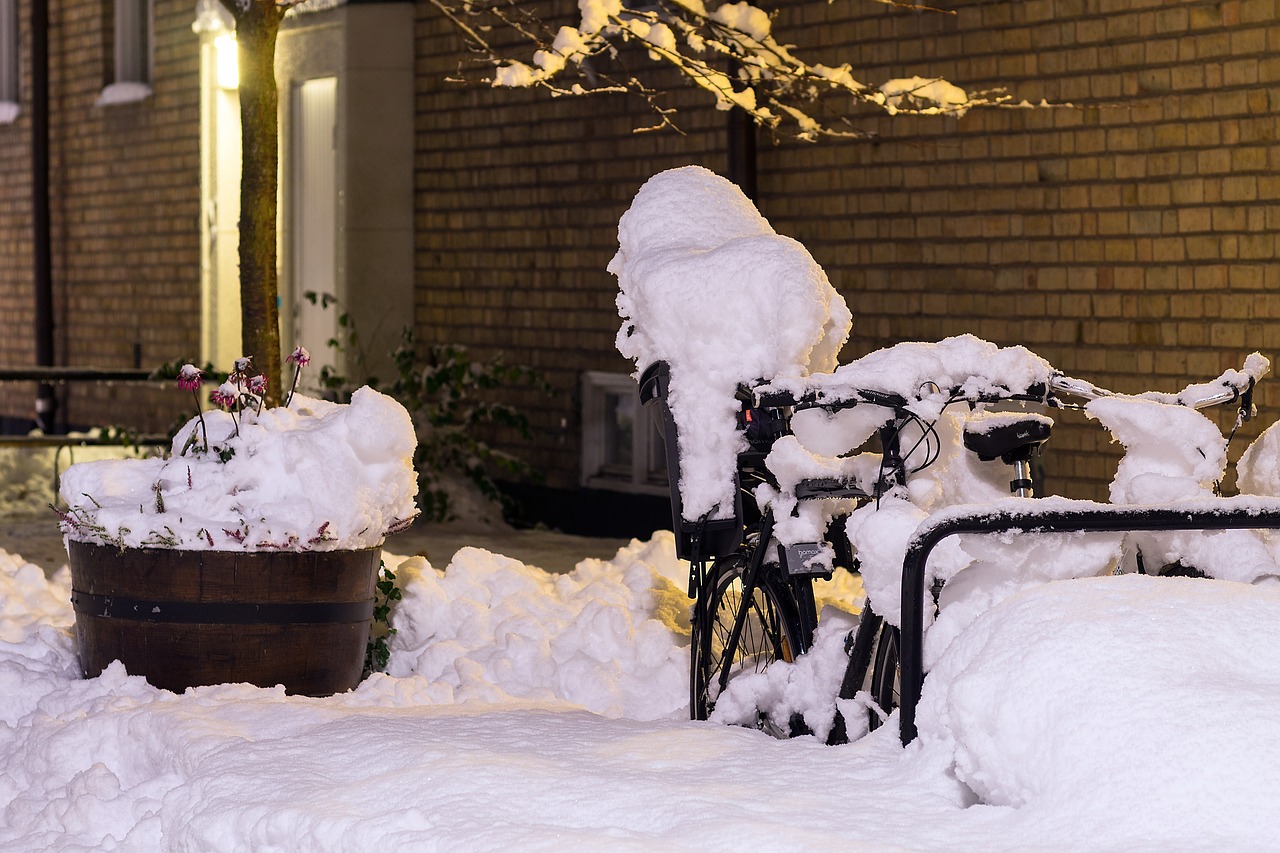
x,y
130,73
622,448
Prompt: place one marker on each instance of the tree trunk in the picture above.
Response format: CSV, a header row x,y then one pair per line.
x,y
257,25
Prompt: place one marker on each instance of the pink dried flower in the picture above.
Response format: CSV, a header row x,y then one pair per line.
x,y
224,395
299,358
258,385
189,377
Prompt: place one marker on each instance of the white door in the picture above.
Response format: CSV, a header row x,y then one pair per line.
x,y
314,220
220,201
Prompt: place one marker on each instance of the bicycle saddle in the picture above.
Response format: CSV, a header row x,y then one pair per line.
x,y
1008,436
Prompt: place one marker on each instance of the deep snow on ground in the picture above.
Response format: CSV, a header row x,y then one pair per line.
x,y
531,711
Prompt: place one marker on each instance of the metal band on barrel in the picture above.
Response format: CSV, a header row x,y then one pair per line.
x,y
220,612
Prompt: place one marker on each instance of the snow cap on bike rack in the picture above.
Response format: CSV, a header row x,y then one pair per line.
x,y
708,286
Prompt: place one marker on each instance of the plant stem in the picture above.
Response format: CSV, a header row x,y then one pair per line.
x,y
297,371
200,411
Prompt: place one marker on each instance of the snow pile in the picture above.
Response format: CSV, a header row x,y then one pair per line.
x,y
1109,714
1119,708
1258,471
706,285
804,687
929,97
927,374
29,475
606,637
314,475
1156,470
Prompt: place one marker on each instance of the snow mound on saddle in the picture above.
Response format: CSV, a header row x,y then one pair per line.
x,y
708,286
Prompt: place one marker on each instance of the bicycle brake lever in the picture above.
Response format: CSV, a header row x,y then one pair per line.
x,y
1247,409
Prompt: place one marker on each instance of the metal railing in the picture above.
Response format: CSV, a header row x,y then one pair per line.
x,y
52,376
1082,517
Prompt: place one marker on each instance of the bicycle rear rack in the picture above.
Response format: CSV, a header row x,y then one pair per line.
x,y
1082,517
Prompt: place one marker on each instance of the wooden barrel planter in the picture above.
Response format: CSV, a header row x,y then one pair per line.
x,y
188,618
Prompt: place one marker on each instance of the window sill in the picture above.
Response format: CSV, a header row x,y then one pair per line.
x,y
123,93
619,484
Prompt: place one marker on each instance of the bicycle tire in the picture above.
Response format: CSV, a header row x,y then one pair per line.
x,y
884,682
873,665
773,630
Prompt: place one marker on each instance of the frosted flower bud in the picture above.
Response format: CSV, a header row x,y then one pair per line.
x,y
189,377
224,395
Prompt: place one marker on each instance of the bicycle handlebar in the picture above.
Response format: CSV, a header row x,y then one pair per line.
x,y
1230,387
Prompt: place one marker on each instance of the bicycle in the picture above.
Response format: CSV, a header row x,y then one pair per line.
x,y
752,608
874,649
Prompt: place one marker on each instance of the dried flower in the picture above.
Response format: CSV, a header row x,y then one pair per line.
x,y
299,358
189,377
242,365
224,396
258,385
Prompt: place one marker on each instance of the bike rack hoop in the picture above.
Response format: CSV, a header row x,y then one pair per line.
x,y
1062,516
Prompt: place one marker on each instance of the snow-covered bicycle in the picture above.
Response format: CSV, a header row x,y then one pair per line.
x,y
713,300
754,603
751,575
875,649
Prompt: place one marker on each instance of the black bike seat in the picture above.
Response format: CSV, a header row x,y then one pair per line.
x,y
1006,435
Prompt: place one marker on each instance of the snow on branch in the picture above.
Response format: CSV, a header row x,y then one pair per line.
x,y
729,52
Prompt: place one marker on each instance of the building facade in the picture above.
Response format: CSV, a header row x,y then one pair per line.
x,y
1127,233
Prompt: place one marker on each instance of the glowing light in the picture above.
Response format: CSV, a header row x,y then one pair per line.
x,y
228,61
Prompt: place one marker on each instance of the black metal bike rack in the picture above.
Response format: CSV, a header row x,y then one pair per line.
x,y
1085,517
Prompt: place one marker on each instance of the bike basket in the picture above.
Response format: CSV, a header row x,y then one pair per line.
x,y
695,539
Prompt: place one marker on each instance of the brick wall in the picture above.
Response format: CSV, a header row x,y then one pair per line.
x,y
17,302
517,203
1129,239
126,210
125,199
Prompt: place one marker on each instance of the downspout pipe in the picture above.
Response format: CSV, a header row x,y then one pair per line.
x,y
740,145
46,403
742,153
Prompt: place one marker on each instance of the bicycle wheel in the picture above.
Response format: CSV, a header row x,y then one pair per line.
x,y
873,666
884,681
771,630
